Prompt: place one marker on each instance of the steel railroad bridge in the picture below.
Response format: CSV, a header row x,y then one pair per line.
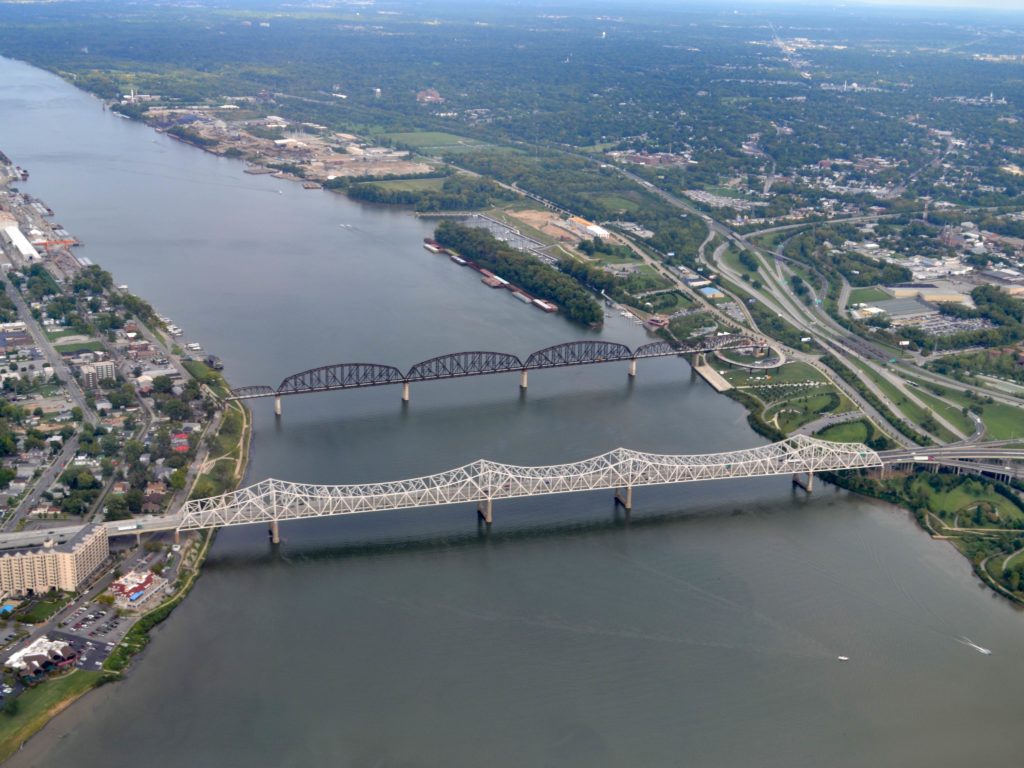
x,y
482,482
329,378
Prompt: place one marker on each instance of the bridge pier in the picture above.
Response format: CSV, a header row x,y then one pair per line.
x,y
624,497
807,485
523,379
275,532
405,391
485,509
632,368
277,405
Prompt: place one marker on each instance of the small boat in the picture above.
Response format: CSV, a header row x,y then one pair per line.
x,y
842,658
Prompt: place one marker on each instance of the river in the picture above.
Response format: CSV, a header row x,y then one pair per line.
x,y
702,631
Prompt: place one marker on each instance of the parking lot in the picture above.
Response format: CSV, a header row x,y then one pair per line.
x,y
95,623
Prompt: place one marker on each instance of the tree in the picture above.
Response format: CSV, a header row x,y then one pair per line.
x,y
163,385
117,508
178,479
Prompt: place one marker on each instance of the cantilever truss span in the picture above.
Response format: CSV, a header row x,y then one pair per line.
x,y
484,481
328,378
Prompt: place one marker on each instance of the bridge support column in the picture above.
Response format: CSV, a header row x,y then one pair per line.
x,y
405,391
624,496
177,536
632,368
807,485
523,379
277,405
484,510
275,532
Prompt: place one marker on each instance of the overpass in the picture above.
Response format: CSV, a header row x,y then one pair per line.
x,y
329,378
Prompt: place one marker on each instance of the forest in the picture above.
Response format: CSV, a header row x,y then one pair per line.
x,y
537,278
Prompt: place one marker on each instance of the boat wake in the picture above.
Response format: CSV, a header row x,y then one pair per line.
x,y
970,644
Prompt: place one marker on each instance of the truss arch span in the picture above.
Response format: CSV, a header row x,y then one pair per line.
x,y
464,364
341,376
578,353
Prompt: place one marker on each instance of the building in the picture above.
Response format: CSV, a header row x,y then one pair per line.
x,y
20,247
65,565
135,588
105,369
907,311
90,378
40,657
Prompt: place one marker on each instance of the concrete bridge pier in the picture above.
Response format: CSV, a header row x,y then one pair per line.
x,y
523,379
632,368
275,532
484,510
624,496
807,485
277,405
405,391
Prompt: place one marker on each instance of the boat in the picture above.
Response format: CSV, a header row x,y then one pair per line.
x,y
842,658
457,259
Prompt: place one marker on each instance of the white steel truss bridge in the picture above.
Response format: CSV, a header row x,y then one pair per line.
x,y
482,482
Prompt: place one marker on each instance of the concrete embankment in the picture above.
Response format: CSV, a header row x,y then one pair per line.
x,y
713,377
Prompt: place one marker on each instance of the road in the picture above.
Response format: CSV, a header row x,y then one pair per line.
x,y
52,356
48,478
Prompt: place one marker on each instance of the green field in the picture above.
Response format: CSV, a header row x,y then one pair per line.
x,y
41,609
54,335
962,499
909,409
867,295
431,140
411,185
850,432
950,413
731,257
85,346
34,707
1002,422
789,373
798,410
616,203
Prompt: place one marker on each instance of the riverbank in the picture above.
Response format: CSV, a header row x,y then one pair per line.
x,y
38,706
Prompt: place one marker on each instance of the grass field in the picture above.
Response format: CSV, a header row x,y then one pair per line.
x,y
798,410
85,346
54,335
411,185
731,257
1002,422
37,705
866,295
42,609
616,202
950,413
850,432
963,498
789,373
911,410
431,140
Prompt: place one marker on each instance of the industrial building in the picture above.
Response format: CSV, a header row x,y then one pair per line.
x,y
18,245
56,564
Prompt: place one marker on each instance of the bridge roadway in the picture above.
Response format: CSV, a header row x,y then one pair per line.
x,y
329,378
482,482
